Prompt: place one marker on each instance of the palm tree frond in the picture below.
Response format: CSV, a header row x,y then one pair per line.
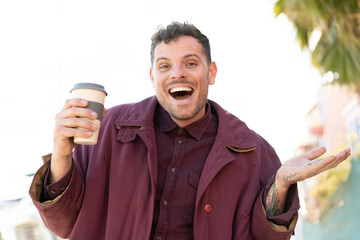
x,y
338,49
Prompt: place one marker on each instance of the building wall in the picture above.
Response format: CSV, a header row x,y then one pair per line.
x,y
338,112
331,102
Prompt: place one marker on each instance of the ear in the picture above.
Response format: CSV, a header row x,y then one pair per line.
x,y
152,77
212,73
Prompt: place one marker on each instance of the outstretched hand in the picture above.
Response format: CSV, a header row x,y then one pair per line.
x,y
298,169
308,165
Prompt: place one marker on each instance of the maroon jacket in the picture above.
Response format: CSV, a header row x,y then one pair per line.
x,y
112,188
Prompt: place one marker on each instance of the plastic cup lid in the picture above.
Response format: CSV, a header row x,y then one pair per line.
x,y
89,86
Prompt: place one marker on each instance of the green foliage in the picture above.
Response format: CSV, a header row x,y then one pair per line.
x,y
338,49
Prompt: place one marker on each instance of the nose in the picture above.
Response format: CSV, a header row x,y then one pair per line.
x,y
177,72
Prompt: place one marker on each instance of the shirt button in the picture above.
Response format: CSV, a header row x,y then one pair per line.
x,y
173,170
158,238
180,142
165,203
207,208
180,131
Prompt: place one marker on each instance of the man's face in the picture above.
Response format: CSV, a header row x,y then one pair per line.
x,y
181,78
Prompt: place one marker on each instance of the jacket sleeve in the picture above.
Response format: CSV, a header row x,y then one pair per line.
x,y
59,214
278,227
51,191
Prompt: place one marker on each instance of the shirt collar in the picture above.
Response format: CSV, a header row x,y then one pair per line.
x,y
195,129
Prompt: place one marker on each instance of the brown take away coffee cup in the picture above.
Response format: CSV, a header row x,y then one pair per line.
x,y
95,95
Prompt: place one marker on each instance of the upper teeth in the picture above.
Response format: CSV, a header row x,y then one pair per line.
x,y
179,89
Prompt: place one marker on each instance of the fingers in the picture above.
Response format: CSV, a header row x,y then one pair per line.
x,y
308,165
321,165
71,127
76,108
75,102
333,161
75,112
73,120
315,153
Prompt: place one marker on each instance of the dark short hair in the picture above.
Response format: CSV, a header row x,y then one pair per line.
x,y
175,30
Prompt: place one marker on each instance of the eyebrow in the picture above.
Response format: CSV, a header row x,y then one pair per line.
x,y
162,58
186,56
192,55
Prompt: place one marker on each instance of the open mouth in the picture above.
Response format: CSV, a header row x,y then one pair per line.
x,y
181,93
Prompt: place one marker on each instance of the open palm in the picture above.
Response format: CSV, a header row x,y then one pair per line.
x,y
308,165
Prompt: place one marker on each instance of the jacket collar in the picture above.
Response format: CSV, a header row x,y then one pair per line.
x,y
195,129
233,132
140,114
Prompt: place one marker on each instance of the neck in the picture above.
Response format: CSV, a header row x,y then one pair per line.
x,y
185,122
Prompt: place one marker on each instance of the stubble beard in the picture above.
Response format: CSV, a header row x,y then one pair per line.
x,y
184,113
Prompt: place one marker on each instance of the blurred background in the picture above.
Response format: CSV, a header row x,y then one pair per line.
x,y
289,69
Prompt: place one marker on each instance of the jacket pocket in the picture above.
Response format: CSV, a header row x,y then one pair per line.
x,y
127,134
190,197
194,179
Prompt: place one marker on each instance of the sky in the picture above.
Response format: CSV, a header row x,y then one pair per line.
x,y
48,46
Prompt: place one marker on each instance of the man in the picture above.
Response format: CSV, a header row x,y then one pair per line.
x,y
174,166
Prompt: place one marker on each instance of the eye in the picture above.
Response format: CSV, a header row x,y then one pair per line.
x,y
191,64
164,66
